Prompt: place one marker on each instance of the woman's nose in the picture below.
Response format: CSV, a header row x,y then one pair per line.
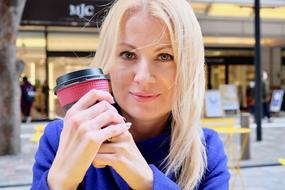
x,y
143,72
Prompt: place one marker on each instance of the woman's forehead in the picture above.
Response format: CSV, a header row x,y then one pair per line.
x,y
143,28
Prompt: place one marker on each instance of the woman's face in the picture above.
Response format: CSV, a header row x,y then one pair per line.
x,y
143,74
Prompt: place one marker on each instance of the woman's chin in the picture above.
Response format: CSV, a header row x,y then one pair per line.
x,y
144,114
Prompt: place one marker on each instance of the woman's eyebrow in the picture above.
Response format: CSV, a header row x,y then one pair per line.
x,y
167,46
126,44
159,48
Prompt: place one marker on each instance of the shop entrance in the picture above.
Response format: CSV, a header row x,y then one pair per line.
x,y
230,66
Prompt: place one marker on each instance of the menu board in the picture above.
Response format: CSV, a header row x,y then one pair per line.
x,y
229,97
276,100
213,104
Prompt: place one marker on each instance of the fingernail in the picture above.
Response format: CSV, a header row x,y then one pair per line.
x,y
128,125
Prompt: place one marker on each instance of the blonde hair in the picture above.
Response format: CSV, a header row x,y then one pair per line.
x,y
187,155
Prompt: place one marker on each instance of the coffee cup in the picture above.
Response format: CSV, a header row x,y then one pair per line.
x,y
72,86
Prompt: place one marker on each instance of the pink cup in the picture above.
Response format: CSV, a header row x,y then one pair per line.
x,y
72,86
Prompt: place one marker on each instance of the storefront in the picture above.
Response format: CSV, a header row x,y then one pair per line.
x,y
53,44
230,66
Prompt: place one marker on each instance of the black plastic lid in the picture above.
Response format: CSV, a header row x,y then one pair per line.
x,y
79,76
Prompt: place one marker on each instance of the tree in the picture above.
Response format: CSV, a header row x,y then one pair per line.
x,y
10,17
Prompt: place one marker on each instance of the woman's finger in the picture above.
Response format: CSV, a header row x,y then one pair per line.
x,y
106,118
114,148
92,139
105,159
109,148
111,131
99,166
91,98
92,112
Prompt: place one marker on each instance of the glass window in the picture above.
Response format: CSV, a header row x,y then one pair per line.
x,y
57,67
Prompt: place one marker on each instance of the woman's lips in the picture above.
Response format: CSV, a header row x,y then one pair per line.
x,y
143,97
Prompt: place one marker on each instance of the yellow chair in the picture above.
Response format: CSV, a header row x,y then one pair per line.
x,y
281,161
39,129
226,127
228,120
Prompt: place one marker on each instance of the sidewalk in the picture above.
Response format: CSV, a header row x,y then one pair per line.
x,y
16,171
263,153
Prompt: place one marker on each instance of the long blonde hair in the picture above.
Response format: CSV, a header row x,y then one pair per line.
x,y
187,155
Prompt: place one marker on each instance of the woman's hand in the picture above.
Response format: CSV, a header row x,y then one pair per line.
x,y
124,156
86,126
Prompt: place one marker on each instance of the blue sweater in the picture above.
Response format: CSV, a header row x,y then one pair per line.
x,y
154,151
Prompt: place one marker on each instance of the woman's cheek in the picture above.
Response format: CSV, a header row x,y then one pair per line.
x,y
121,70
120,82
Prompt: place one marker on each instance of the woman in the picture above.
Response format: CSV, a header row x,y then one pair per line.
x,y
153,51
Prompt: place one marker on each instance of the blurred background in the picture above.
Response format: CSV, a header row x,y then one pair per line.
x,y
60,36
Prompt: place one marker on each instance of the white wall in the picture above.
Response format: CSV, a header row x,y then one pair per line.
x,y
218,26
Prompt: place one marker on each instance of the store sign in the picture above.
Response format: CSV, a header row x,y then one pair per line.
x,y
81,10
65,12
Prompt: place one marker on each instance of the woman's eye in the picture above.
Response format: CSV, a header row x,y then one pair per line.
x,y
165,57
128,55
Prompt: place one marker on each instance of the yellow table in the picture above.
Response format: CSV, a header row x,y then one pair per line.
x,y
233,159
